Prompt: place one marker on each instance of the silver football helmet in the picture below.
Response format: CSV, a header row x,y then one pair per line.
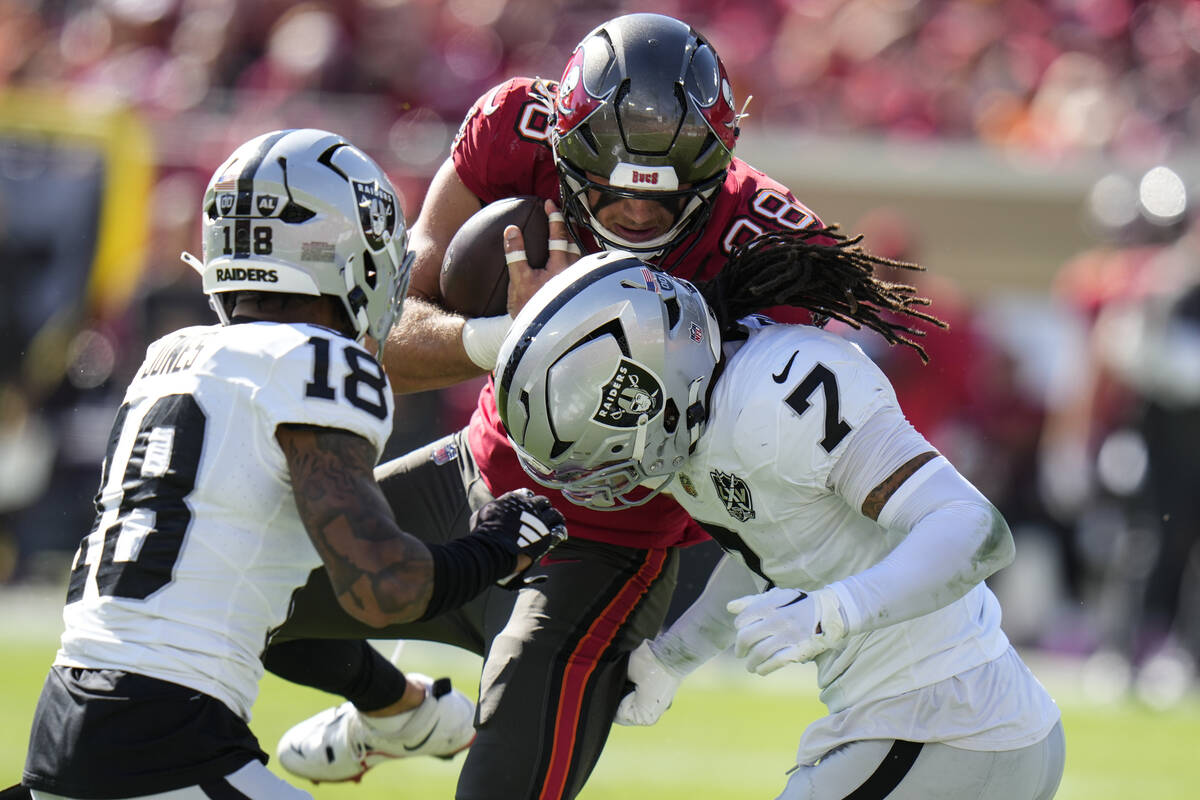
x,y
645,104
306,212
602,380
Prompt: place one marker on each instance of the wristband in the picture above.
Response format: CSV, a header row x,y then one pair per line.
x,y
482,338
462,568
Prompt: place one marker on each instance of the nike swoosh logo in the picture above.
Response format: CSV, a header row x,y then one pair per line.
x,y
489,103
421,743
782,376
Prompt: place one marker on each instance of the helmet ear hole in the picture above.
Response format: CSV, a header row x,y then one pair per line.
x,y
673,312
293,213
670,415
370,273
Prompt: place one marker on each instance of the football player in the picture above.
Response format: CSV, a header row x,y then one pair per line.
x,y
851,542
240,460
635,145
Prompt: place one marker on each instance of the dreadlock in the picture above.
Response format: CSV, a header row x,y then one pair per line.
x,y
832,280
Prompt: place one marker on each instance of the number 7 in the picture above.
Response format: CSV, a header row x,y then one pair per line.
x,y
836,428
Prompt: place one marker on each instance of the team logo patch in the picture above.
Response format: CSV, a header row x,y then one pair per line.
x,y
631,393
445,454
225,203
376,212
685,481
567,88
266,203
734,494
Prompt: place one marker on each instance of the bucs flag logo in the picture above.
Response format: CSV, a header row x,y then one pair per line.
x,y
376,212
630,394
734,494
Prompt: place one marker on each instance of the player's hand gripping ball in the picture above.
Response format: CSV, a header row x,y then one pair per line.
x,y
474,277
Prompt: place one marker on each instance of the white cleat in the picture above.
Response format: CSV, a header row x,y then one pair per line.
x,y
340,744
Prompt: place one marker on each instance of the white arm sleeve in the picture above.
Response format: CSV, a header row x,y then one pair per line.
x,y
883,443
955,539
706,627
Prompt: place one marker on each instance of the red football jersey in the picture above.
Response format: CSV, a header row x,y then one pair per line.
x,y
503,150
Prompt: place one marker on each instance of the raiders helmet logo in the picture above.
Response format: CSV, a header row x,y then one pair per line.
x,y
734,494
376,212
630,394
225,203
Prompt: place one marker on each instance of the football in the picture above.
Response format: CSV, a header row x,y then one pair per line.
x,y
474,277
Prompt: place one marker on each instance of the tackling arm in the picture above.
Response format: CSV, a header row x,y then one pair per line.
x,y
954,539
382,575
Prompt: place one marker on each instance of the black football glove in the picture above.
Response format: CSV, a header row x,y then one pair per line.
x,y
525,524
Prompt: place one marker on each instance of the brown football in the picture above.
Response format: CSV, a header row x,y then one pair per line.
x,y
474,277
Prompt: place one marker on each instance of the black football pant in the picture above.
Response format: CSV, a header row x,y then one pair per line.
x,y
554,653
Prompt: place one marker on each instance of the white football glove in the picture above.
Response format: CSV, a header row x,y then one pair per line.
x,y
654,685
780,626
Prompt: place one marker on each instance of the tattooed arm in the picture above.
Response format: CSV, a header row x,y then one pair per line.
x,y
380,574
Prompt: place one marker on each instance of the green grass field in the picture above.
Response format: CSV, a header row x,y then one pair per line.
x,y
730,735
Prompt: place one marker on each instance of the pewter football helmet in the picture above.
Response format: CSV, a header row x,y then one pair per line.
x,y
644,103
306,212
602,379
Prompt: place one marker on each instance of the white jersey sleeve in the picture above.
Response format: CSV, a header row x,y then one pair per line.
x,y
198,545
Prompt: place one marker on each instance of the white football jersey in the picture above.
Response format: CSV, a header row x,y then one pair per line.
x,y
198,545
789,402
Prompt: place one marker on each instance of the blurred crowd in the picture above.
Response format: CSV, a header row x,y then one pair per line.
x,y
1091,465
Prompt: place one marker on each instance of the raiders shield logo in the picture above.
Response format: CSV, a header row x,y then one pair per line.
x,y
376,212
628,395
225,203
734,494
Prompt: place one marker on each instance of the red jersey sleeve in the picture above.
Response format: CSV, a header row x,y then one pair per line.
x,y
502,148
